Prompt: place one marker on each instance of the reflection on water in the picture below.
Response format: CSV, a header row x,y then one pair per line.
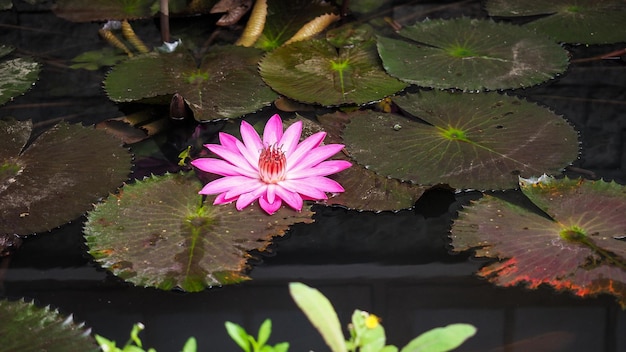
x,y
394,265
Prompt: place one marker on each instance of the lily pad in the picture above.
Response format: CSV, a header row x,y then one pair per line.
x,y
366,190
58,177
580,249
569,21
471,54
314,71
286,17
16,75
25,327
158,232
225,85
468,141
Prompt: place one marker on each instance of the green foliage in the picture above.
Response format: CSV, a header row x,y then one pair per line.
x,y
134,343
248,343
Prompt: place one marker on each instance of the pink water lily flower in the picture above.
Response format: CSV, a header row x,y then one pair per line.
x,y
275,169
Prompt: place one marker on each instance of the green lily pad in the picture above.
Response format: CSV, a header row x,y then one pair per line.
x,y
58,177
471,54
286,17
157,232
365,190
314,71
580,249
16,75
25,327
468,141
569,21
225,85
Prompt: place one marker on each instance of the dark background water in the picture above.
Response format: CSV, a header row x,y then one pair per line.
x,y
396,265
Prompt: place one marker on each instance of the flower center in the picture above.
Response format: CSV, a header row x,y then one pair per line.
x,y
272,164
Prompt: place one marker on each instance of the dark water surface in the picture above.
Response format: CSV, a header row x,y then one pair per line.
x,y
394,265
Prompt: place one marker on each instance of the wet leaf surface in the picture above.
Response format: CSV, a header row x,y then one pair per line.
x,y
154,233
314,71
581,249
365,190
468,141
58,177
471,54
569,21
226,84
26,327
16,75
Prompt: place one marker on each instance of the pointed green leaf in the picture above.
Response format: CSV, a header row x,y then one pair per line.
x,y
441,339
157,232
477,141
471,54
321,314
238,334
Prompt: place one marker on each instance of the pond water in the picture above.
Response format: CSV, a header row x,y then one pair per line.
x,y
396,265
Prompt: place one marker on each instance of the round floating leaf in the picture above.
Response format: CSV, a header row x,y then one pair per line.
x,y
581,250
58,177
25,327
365,190
471,54
157,232
225,85
570,21
476,141
314,71
16,75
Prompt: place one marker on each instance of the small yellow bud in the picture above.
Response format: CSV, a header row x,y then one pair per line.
x,y
372,321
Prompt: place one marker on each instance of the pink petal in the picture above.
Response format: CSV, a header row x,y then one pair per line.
x,y
324,168
304,148
291,137
273,131
293,199
223,184
228,141
221,167
252,157
250,185
321,183
317,155
251,139
305,188
270,208
270,194
221,199
232,156
245,199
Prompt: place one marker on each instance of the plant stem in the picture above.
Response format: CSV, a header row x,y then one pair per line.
x,y
165,21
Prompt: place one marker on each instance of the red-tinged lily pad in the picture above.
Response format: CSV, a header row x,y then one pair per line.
x,y
56,178
26,327
16,75
365,190
468,141
314,71
226,84
570,21
581,249
471,54
158,232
